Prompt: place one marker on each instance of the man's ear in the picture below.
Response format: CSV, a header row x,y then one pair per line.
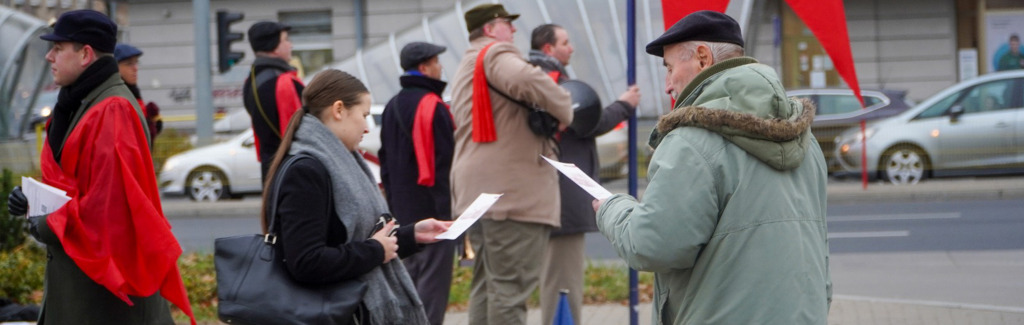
x,y
704,56
88,55
547,49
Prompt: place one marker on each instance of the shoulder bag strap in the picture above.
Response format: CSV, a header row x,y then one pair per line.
x,y
259,106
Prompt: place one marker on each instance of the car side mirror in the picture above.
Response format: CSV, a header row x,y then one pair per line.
x,y
248,142
955,112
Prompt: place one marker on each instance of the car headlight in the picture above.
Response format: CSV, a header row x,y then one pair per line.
x,y
855,137
170,163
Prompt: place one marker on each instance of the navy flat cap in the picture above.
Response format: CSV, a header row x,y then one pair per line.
x,y
704,25
265,36
416,52
85,26
124,51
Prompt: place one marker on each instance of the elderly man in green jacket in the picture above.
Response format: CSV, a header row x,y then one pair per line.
x,y
733,220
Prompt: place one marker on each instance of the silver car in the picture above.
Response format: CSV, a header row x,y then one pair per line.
x,y
975,127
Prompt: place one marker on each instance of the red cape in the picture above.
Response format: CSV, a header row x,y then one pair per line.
x,y
114,227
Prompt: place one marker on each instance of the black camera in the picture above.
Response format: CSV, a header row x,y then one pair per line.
x,y
382,220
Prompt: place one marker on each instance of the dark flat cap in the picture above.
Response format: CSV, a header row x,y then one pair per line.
x,y
416,52
124,51
85,26
704,25
480,15
264,36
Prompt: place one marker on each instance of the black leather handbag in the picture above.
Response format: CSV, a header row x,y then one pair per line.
x,y
254,287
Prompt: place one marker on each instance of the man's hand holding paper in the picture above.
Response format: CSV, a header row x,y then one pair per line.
x,y
580,178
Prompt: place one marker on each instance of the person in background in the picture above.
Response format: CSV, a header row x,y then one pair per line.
x,y
111,256
1014,59
551,50
495,152
271,92
733,220
328,205
127,57
415,159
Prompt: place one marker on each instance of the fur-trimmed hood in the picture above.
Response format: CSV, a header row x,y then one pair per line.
x,y
744,102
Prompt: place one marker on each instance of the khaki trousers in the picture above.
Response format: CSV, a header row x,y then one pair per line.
x,y
563,269
506,269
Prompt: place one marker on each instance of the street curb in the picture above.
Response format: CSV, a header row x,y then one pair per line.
x,y
940,304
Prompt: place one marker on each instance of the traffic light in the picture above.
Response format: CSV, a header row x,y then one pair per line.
x,y
225,57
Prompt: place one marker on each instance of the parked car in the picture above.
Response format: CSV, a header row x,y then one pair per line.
x,y
236,120
838,110
612,152
224,170
974,127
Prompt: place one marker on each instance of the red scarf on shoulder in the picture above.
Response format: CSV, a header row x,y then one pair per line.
x,y
483,115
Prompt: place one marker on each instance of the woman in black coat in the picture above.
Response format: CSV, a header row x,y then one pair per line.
x,y
329,204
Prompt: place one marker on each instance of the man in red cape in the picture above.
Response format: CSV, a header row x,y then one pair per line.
x,y
112,256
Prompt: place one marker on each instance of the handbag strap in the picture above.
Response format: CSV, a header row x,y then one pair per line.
x,y
270,237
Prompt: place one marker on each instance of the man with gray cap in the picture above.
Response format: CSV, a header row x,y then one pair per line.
x,y
272,92
495,152
733,220
415,158
111,256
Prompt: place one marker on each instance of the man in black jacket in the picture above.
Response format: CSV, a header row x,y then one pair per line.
x,y
563,260
416,155
272,92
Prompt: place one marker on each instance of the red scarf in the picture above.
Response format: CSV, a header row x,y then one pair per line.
x,y
423,137
114,228
483,115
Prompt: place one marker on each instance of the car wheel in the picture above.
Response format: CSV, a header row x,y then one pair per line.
x,y
904,165
207,184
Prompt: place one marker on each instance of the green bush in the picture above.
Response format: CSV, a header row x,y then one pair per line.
x,y
21,273
170,142
12,230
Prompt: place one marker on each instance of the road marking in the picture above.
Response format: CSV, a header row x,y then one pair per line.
x,y
903,216
868,234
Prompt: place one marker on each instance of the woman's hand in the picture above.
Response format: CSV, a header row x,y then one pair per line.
x,y
390,243
427,229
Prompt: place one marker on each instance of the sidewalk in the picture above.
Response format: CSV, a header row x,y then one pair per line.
x,y
845,310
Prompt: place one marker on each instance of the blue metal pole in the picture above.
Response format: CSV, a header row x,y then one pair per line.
x,y
631,80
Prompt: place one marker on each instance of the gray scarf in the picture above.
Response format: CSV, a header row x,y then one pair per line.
x,y
391,297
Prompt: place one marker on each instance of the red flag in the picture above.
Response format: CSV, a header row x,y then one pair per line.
x,y
674,10
827,20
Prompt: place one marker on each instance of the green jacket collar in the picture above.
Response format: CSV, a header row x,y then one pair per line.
x,y
707,74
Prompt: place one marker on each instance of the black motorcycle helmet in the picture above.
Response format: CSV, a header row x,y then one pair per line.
x,y
586,105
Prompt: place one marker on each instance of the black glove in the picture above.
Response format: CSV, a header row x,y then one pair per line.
x,y
17,203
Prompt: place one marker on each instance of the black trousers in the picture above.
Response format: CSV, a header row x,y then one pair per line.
x,y
431,271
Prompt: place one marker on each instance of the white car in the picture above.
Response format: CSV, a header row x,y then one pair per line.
x,y
219,171
612,152
975,127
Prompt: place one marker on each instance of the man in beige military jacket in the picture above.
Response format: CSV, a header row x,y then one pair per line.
x,y
495,152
